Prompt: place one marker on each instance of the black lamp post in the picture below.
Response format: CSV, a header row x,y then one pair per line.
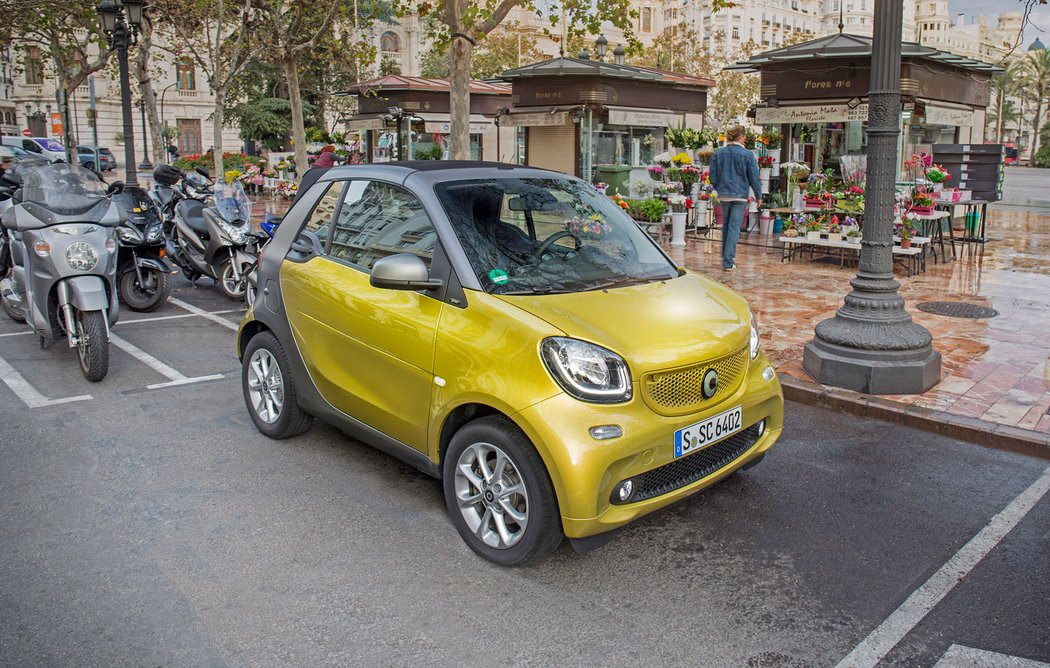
x,y
872,345
145,165
121,34
600,46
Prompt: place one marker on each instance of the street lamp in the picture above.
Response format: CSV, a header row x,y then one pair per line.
x,y
600,46
145,165
121,34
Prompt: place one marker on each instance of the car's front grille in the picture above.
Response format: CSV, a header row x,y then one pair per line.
x,y
679,391
690,468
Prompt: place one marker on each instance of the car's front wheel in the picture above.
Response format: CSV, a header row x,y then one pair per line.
x,y
499,495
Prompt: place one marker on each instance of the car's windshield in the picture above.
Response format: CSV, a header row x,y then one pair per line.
x,y
545,235
63,188
50,145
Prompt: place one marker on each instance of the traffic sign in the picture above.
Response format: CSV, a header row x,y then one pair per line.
x,y
27,132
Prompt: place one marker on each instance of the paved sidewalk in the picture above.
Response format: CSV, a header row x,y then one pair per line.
x,y
995,370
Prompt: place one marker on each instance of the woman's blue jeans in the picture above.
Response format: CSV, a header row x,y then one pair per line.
x,y
732,219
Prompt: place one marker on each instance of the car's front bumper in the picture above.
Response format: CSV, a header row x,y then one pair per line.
x,y
585,472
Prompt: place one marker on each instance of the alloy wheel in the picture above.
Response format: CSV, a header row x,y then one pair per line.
x,y
491,495
265,386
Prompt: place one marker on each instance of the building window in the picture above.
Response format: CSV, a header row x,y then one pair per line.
x,y
186,74
34,67
389,42
736,33
647,19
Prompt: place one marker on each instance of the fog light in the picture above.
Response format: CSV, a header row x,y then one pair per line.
x,y
605,432
626,489
761,428
768,374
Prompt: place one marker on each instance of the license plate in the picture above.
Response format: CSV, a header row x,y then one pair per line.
x,y
702,434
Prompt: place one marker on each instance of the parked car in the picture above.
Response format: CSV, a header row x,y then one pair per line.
x,y
51,149
106,160
13,152
514,333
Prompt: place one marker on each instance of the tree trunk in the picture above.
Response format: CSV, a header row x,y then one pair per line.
x,y
148,95
1035,126
295,98
462,50
999,121
216,135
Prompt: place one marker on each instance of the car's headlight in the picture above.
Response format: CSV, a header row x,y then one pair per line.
x,y
754,337
586,371
81,255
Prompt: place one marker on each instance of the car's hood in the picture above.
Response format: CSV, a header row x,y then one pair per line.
x,y
654,326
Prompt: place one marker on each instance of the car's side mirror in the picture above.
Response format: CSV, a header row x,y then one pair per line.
x,y
403,272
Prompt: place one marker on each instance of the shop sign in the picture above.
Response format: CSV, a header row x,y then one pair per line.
x,y
535,119
365,124
644,118
943,116
824,113
445,127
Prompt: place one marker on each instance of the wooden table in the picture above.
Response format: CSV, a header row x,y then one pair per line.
x,y
914,258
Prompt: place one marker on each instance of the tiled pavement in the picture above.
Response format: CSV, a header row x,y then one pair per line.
x,y
996,369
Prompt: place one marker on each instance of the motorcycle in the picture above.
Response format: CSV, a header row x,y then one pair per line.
x,y
215,241
269,228
143,273
171,185
62,281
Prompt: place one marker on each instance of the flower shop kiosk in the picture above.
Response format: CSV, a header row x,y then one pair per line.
x,y
817,93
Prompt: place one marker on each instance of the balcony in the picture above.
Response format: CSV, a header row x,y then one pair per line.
x,y
188,93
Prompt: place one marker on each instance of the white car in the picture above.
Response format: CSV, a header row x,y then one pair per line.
x,y
50,149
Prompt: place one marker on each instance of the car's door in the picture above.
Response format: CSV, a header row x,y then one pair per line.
x,y
31,146
370,351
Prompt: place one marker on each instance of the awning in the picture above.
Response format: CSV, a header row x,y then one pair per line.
x,y
441,124
652,118
531,119
820,113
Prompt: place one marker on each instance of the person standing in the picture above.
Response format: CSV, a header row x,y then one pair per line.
x,y
733,170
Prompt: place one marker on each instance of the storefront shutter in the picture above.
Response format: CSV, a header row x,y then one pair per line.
x,y
553,148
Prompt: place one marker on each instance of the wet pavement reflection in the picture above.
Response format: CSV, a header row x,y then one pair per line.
x,y
996,369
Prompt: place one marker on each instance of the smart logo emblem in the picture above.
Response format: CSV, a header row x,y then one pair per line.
x,y
710,384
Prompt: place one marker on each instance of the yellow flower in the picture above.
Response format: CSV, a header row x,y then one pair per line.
x,y
682,159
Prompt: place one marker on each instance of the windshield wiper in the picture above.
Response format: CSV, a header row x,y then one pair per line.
x,y
627,280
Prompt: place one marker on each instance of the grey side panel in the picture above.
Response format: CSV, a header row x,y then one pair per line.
x,y
87,293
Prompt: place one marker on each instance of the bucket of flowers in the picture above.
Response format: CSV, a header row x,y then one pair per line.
x,y
656,172
689,175
682,159
601,187
620,202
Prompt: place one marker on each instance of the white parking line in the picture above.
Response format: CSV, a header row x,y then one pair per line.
x,y
174,377
202,313
959,656
27,393
15,334
178,316
884,638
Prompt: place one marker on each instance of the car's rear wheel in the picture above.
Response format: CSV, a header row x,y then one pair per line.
x,y
499,495
269,391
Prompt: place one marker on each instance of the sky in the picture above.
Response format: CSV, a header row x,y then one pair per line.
x,y
1039,26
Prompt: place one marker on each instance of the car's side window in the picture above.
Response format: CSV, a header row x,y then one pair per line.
x,y
378,219
320,219
30,146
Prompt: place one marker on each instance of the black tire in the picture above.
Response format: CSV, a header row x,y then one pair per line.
x,y
542,532
17,316
227,286
190,275
291,419
89,165
93,349
145,298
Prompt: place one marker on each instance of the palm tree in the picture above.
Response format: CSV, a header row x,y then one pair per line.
x,y
1000,116
1036,68
1007,84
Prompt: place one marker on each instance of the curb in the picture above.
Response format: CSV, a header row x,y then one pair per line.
x,y
974,430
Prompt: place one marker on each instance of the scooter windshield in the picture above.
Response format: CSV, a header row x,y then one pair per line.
x,y
232,202
63,188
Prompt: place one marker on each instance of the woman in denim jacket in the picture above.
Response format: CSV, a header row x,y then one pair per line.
x,y
733,169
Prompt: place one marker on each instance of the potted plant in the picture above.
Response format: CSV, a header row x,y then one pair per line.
x,y
906,232
795,171
765,168
853,235
921,202
656,172
814,228
653,209
688,176
601,187
937,175
834,229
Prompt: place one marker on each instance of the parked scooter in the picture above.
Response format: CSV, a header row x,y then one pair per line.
x,y
171,185
215,241
64,260
142,272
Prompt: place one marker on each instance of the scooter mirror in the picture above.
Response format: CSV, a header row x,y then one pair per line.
x,y
115,188
204,172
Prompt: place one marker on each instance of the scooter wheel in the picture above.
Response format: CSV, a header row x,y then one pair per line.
x,y
12,312
93,349
228,283
145,297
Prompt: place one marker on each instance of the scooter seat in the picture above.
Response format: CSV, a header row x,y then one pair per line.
x,y
191,212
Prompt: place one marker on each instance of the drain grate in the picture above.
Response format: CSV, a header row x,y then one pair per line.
x,y
958,310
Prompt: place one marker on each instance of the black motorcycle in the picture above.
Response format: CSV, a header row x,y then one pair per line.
x,y
142,272
217,241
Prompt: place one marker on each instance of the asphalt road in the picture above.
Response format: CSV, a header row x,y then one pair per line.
x,y
156,527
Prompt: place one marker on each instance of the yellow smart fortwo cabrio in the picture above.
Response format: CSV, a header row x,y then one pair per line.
x,y
512,332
